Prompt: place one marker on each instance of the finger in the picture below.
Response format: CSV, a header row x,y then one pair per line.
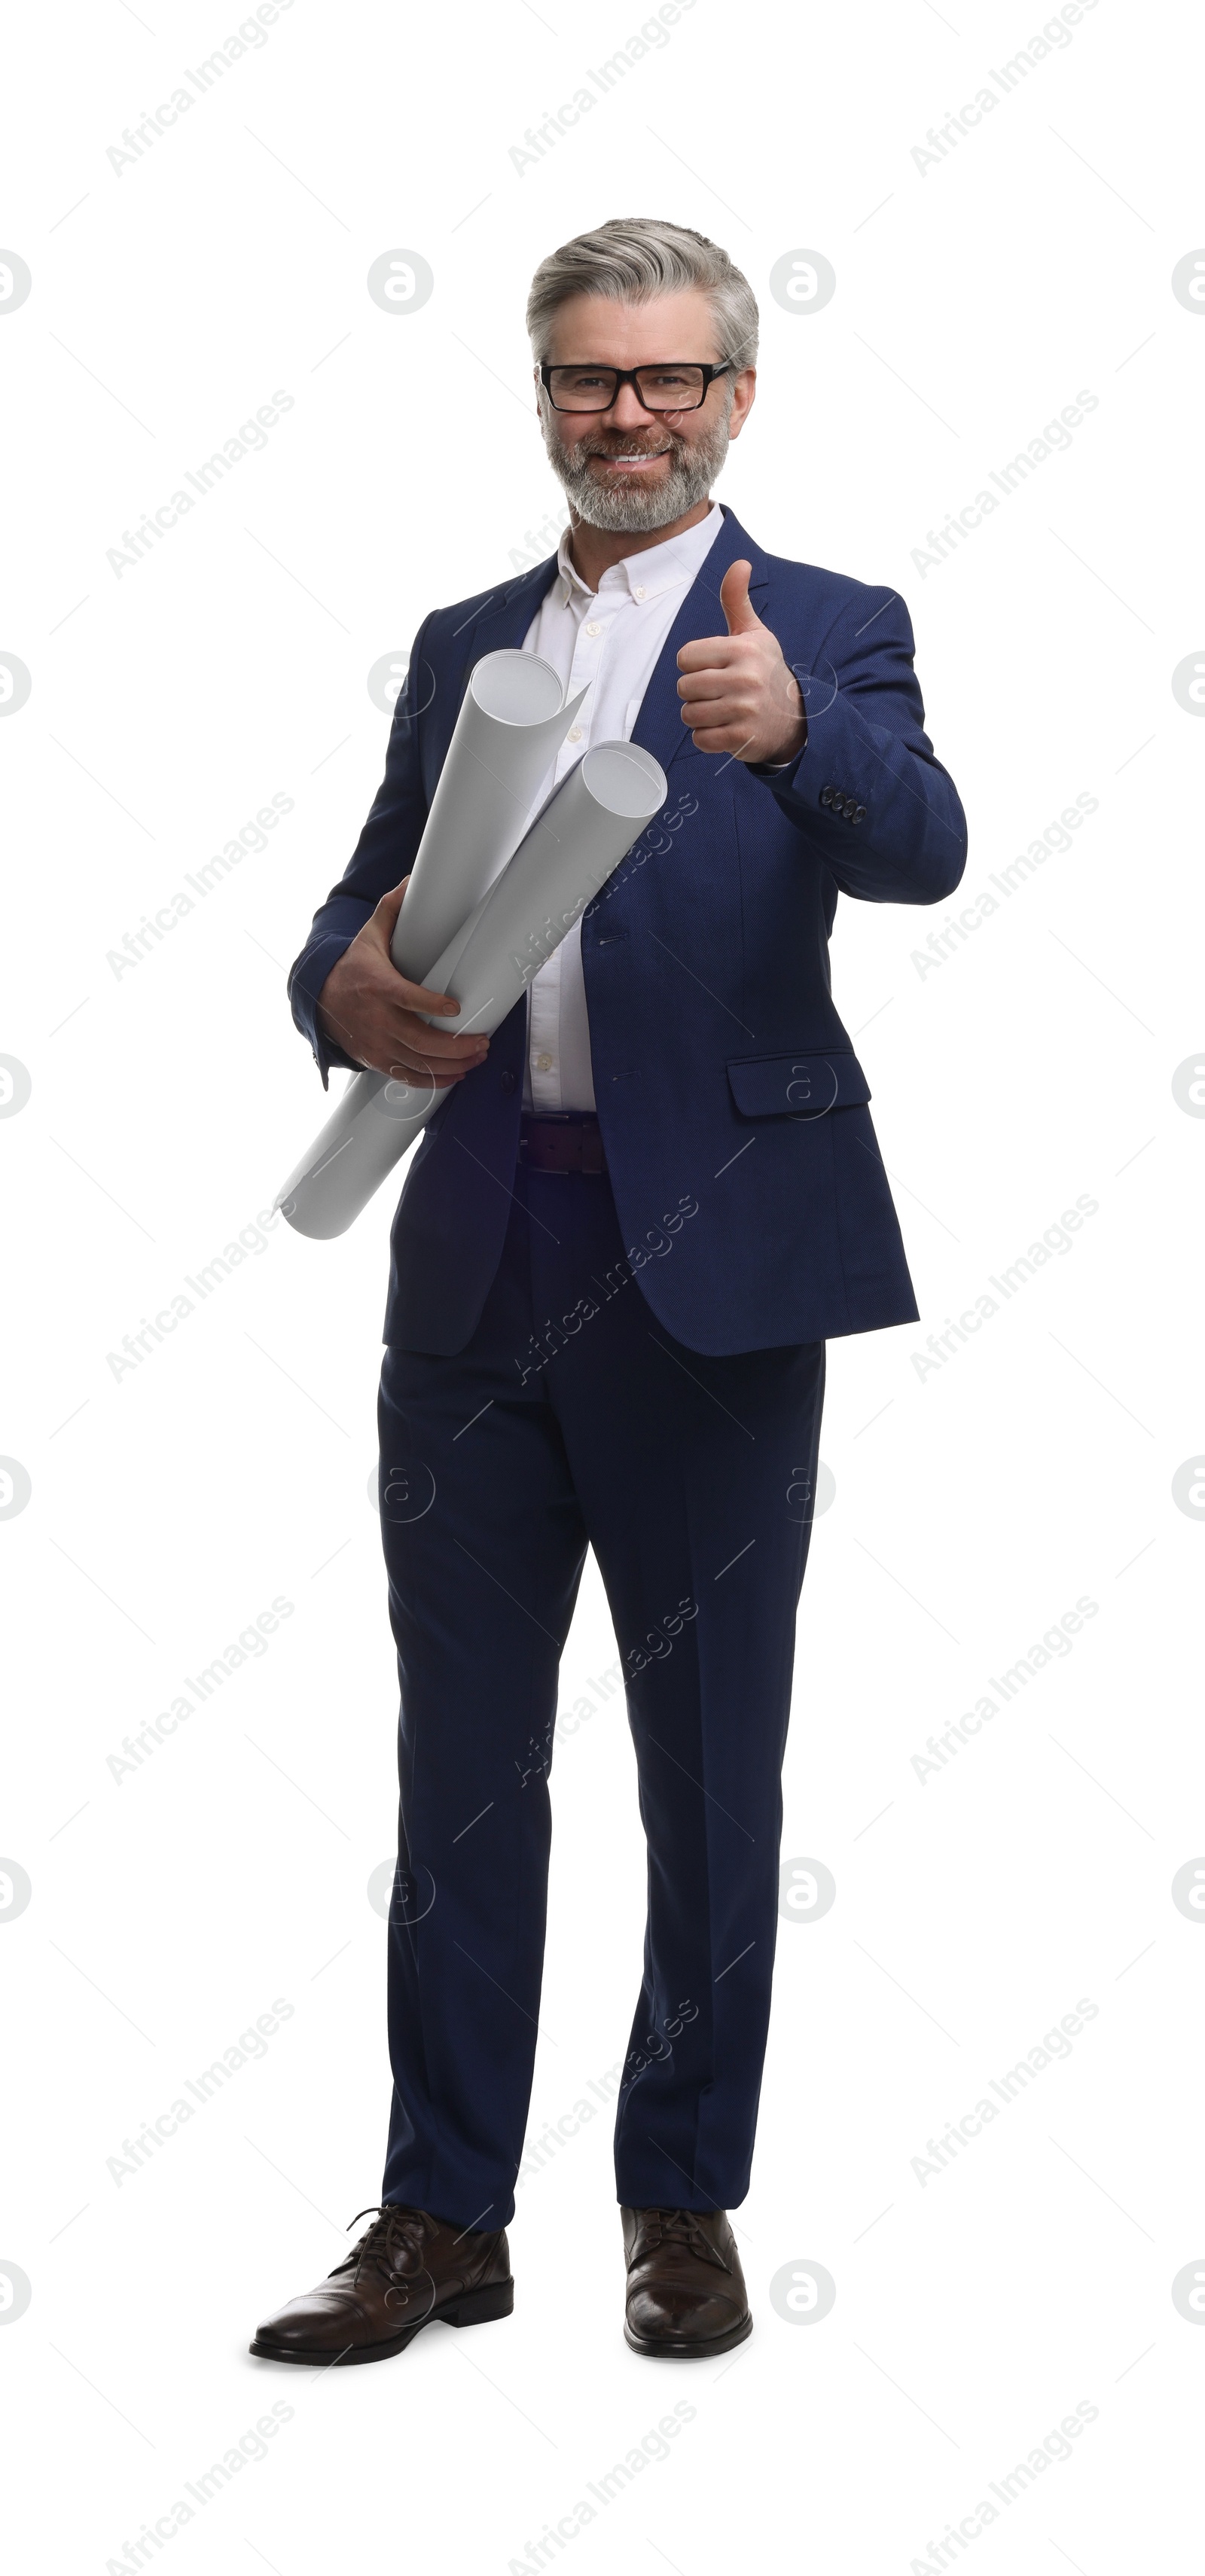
x,y
709,653
438,1062
410,1065
418,997
714,712
415,1073
418,1031
732,739
706,684
429,1064
414,1037
734,599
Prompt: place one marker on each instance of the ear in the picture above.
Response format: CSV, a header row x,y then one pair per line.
x,y
743,394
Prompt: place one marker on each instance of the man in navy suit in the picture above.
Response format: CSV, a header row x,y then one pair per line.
x,y
625,1236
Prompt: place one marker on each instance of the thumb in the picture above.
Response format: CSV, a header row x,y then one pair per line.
x,y
735,601
389,907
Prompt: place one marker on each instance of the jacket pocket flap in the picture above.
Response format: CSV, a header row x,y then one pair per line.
x,y
800,1086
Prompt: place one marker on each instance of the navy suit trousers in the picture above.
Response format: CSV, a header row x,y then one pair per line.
x,y
573,1418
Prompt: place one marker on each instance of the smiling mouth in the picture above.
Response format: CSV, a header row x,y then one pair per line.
x,y
631,462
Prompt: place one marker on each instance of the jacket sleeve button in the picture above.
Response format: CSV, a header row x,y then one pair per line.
x,y
826,795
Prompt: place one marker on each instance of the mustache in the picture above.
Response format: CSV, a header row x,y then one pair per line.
x,y
605,443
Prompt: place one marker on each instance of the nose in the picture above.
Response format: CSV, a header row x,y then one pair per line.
x,y
627,411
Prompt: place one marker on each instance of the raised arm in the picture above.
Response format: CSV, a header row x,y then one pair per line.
x,y
842,745
866,786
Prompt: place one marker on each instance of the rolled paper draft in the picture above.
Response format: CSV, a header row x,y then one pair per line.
x,y
574,845
570,851
513,719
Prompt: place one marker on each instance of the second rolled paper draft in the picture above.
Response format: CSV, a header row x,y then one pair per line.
x,y
574,845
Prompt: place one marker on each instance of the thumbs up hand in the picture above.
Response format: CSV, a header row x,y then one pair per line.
x,y
737,694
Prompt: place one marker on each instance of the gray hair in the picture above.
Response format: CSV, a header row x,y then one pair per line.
x,y
633,259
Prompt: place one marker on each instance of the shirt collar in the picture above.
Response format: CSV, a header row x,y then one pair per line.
x,y
669,566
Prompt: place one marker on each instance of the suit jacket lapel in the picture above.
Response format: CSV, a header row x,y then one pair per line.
x,y
502,620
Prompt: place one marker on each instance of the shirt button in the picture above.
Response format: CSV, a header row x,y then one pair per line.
x,y
574,734
543,1064
594,627
638,594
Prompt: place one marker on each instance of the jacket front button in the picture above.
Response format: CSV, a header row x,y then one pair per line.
x,y
506,1082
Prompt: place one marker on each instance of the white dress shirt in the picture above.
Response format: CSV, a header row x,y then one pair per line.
x,y
611,639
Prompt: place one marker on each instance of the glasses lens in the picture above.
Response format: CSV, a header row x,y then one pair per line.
x,y
670,388
594,388
582,388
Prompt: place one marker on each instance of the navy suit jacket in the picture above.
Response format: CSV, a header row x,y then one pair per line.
x,y
746,1174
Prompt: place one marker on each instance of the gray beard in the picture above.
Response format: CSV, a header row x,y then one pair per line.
x,y
625,510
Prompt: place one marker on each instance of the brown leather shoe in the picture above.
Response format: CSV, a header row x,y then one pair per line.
x,y
686,2291
409,2269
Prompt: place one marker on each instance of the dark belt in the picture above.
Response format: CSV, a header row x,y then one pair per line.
x,y
569,1143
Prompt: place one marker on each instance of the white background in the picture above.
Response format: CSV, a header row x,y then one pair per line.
x,y
973,1506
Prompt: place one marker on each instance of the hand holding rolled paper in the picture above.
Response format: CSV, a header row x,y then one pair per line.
x,y
373,1013
497,934
512,720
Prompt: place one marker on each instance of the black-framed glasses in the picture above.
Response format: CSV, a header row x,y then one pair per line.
x,y
671,386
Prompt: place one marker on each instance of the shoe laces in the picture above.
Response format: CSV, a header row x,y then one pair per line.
x,y
680,2227
394,2243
